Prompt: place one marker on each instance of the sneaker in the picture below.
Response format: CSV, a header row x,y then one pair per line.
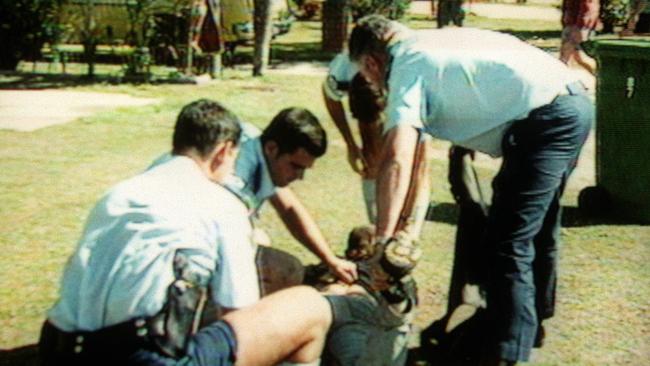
x,y
401,255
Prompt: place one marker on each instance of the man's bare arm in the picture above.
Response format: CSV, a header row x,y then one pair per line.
x,y
336,111
303,227
394,176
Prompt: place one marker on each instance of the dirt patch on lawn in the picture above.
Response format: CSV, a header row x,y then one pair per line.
x,y
28,110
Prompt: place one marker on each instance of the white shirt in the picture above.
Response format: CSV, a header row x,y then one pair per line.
x,y
340,73
123,264
466,85
252,181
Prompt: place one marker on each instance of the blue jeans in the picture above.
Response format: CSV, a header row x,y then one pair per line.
x,y
365,332
522,234
213,345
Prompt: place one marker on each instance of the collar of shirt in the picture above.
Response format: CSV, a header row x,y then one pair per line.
x,y
254,176
396,47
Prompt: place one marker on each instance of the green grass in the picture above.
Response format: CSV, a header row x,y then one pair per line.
x,y
541,33
51,177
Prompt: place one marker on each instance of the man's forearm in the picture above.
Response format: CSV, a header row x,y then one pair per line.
x,y
300,223
393,179
336,111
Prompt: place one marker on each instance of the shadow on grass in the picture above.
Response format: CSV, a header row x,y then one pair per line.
x,y
303,51
281,53
447,213
572,216
21,356
533,34
444,212
23,80
37,81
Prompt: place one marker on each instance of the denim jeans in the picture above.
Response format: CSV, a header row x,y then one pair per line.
x,y
539,153
213,345
365,332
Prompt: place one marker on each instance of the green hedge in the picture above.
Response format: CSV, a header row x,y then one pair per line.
x,y
25,25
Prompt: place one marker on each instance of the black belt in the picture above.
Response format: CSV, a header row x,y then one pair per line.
x,y
112,342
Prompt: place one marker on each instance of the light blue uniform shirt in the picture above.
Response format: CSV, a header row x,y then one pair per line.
x,y
340,73
123,264
467,85
253,178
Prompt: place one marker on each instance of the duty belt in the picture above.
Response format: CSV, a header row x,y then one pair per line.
x,y
112,342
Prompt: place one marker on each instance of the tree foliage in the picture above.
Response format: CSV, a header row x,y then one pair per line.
x,y
262,23
613,13
393,9
25,25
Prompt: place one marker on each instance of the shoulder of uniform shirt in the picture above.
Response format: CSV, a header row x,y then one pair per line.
x,y
341,57
249,132
231,201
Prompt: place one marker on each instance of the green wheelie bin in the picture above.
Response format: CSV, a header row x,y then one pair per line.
x,y
622,130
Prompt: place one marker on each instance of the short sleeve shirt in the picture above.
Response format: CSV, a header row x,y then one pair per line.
x,y
340,73
252,181
253,178
466,85
123,264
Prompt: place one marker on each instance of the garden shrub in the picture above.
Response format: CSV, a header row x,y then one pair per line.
x,y
25,25
393,9
613,13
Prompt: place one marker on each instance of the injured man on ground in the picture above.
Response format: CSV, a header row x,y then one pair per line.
x,y
372,317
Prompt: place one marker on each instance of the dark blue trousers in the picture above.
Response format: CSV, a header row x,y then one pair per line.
x,y
522,234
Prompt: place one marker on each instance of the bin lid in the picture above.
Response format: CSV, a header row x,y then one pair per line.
x,y
636,48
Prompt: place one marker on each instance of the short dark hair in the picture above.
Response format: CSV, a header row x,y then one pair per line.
x,y
202,125
369,36
295,128
366,100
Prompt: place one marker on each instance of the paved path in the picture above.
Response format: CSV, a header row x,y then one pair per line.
x,y
28,110
506,11
499,11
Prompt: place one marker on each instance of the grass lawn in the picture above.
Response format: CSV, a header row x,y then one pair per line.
x,y
51,178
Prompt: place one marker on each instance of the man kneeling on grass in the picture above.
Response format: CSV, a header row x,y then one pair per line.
x,y
156,245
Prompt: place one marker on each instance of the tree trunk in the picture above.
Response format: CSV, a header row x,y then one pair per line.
x,y
335,25
262,25
89,36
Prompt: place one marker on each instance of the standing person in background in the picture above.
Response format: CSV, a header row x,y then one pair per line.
x,y
579,19
365,103
638,18
450,12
